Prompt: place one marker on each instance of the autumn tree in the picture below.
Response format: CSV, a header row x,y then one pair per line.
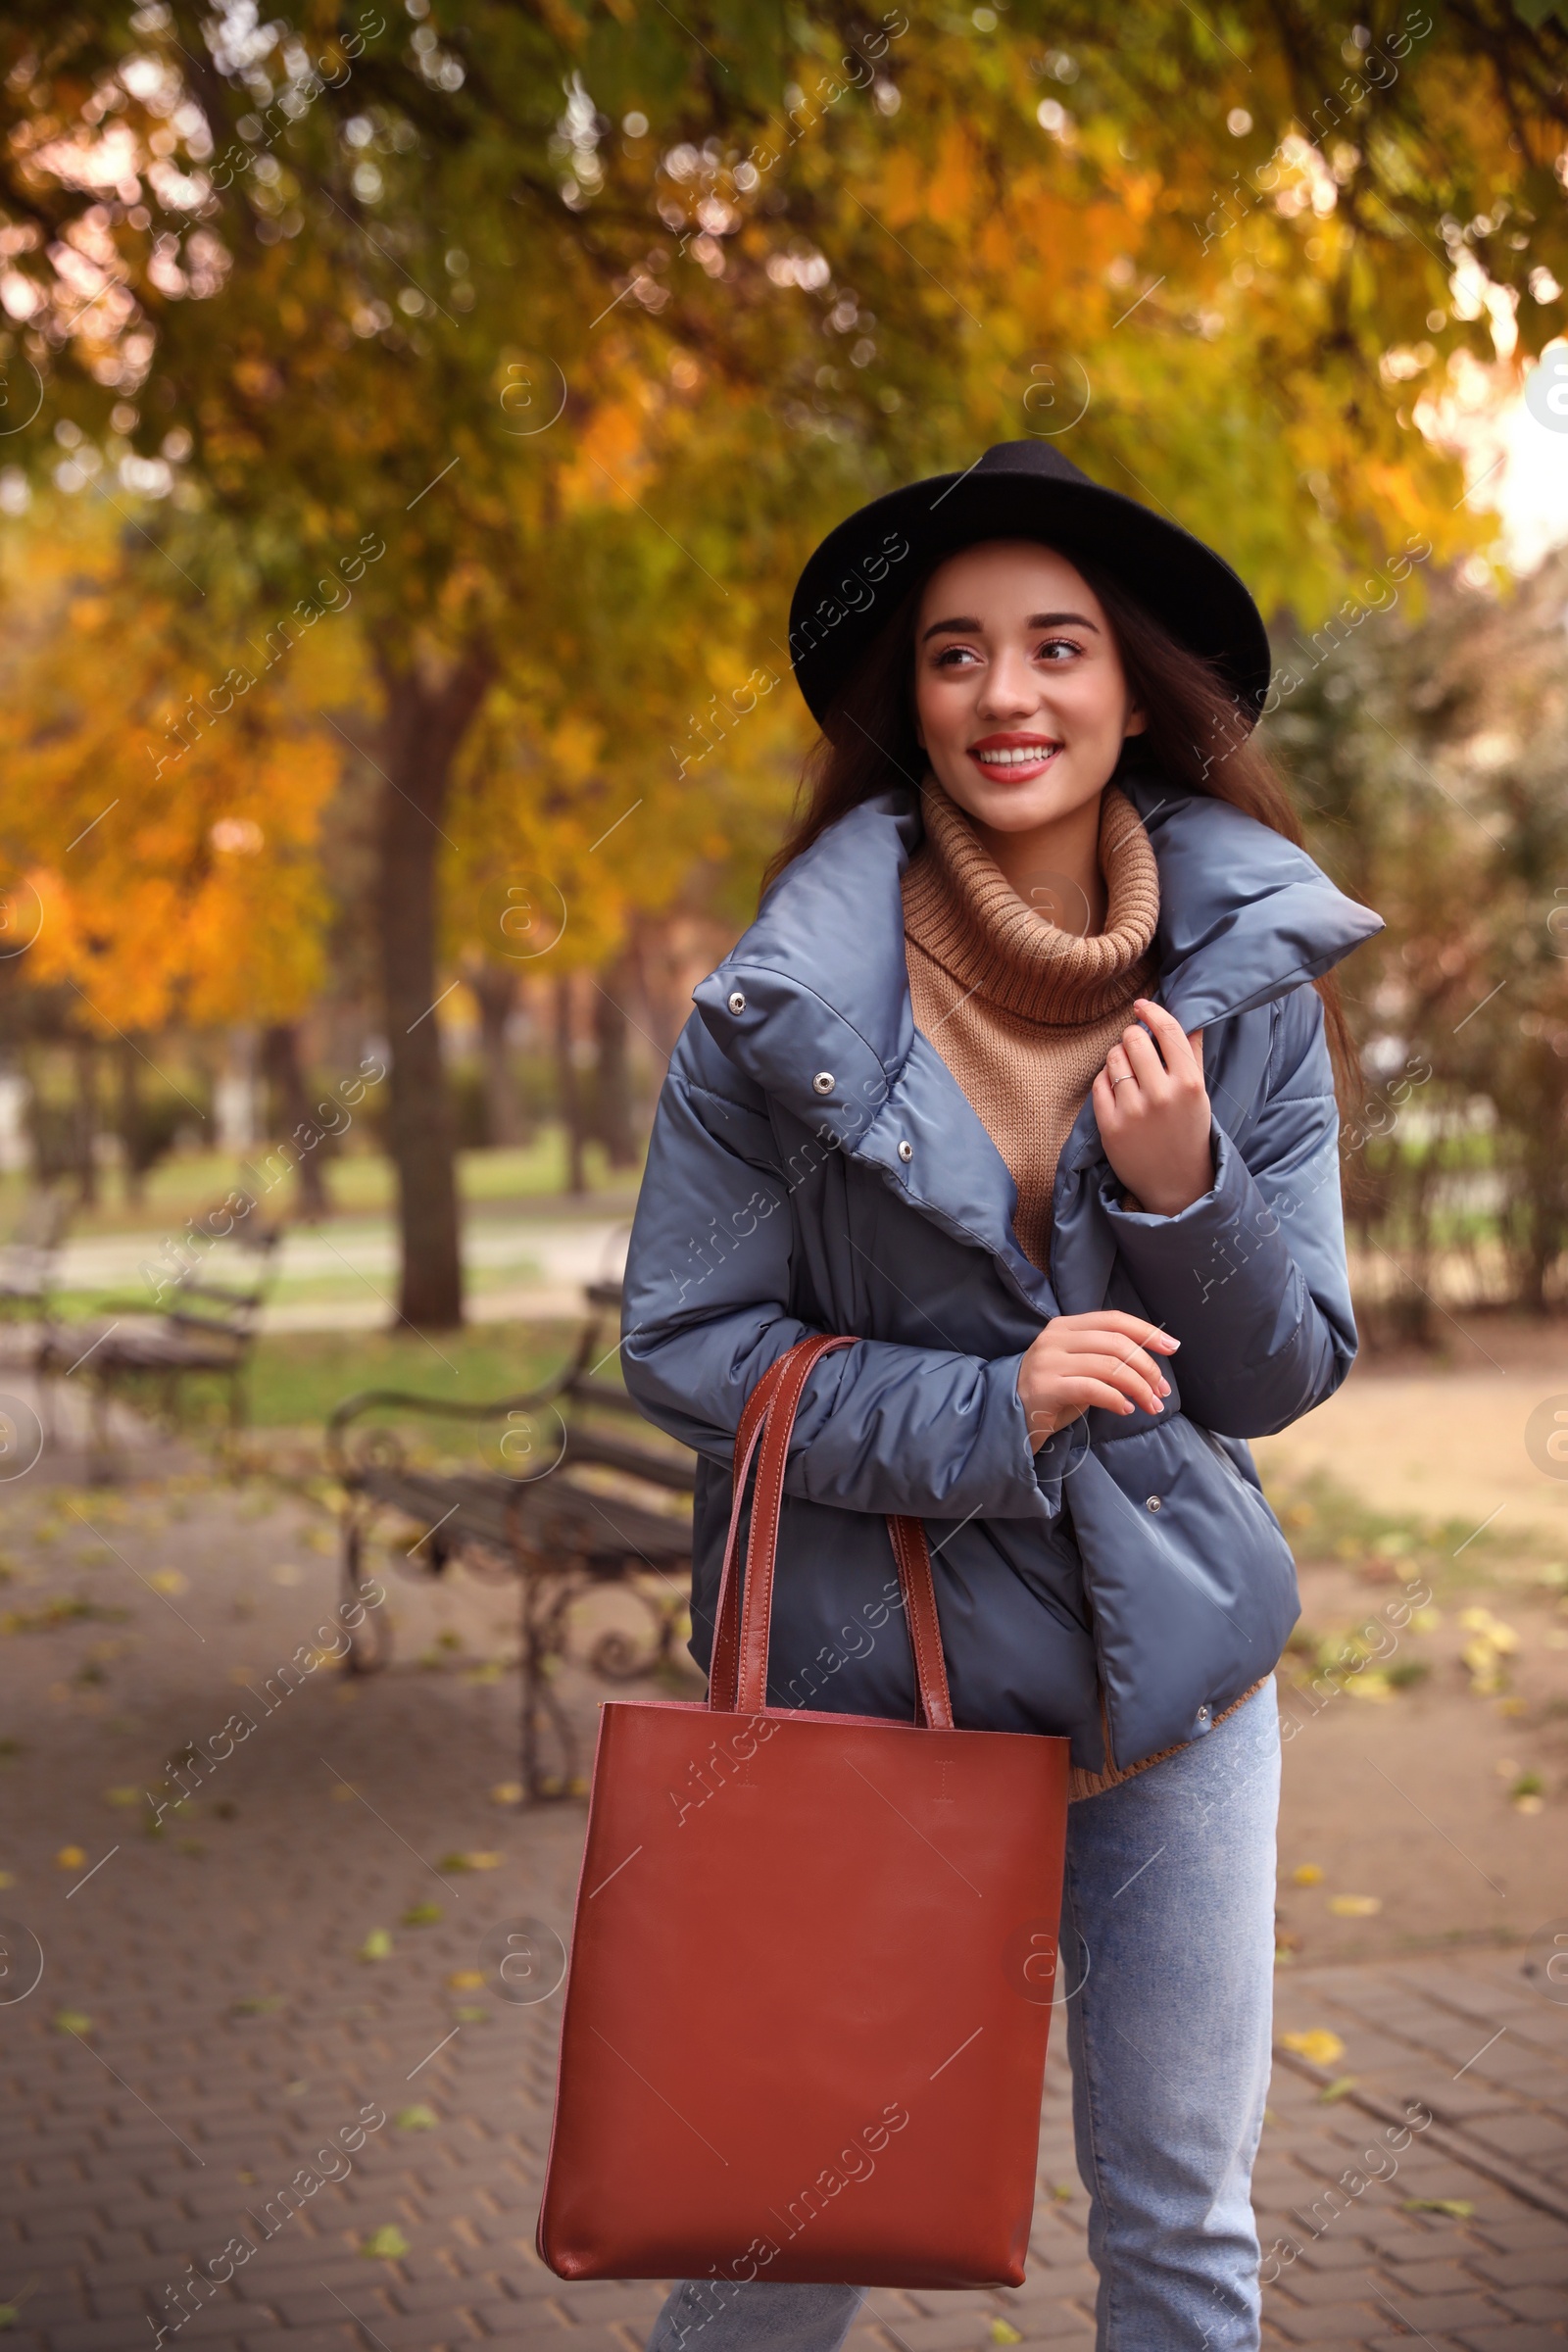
x,y
522,300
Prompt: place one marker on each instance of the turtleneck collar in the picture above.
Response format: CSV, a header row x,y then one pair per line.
x,y
961,910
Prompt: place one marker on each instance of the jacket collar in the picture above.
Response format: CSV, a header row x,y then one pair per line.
x,y
823,985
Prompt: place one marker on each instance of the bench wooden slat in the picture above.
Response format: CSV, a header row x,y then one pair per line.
x,y
547,1514
637,1461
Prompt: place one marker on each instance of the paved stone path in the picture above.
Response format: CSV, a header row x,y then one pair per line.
x,y
270,2034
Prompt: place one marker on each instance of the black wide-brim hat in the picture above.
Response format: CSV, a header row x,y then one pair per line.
x,y
1018,490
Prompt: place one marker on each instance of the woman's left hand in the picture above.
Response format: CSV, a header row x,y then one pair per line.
x,y
1153,1112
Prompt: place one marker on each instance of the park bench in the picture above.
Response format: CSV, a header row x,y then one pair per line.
x,y
571,1505
205,1330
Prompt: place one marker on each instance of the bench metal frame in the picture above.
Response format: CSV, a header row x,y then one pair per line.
x,y
209,1329
562,1539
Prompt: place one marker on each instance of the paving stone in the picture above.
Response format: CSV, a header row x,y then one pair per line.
x,y
108,2209
958,2332
1525,2337
1546,2303
1534,2266
1324,2323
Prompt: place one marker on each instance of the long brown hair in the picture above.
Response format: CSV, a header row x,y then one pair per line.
x,y
1196,731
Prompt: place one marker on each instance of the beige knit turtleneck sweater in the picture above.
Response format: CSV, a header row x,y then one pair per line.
x,y
1023,1014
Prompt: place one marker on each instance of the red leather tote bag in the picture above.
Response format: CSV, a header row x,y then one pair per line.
x,y
811,1967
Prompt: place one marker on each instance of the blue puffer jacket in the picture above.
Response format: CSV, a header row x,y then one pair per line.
x,y
816,1166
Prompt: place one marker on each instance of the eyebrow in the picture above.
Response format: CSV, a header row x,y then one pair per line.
x,y
966,624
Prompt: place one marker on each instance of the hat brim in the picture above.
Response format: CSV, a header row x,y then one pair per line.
x,y
863,567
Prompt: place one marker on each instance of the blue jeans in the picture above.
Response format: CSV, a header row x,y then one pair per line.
x,y
1167,1969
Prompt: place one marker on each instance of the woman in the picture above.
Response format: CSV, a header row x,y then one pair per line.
x,y
1020,1075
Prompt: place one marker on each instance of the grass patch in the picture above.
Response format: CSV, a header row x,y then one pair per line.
x,y
1326,1521
358,1181
297,1378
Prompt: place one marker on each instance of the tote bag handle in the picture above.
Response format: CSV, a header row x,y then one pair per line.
x,y
738,1680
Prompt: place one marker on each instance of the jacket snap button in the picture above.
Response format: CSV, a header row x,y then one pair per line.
x,y
822,1083
1154,1502
905,1153
737,1002
1202,1715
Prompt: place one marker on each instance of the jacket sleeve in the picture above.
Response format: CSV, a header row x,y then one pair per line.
x,y
1251,1276
882,1427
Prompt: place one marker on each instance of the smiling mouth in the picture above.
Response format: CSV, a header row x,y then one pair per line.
x,y
1017,760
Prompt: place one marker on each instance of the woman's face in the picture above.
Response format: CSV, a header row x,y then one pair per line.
x,y
1020,700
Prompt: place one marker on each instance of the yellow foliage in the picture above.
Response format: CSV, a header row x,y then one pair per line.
x,y
1319,2046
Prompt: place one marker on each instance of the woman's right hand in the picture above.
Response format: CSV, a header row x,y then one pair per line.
x,y
1080,1360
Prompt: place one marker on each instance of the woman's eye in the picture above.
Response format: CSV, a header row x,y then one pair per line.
x,y
1055,647
952,654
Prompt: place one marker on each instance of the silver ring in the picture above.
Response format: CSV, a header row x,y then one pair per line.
x,y
1115,1081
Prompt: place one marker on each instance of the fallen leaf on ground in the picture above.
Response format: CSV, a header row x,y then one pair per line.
x,y
378,1945
507,1792
1003,2331
1308,1873
1336,2089
1482,1621
72,2020
168,1580
417,2119
386,2244
1318,2045
122,1796
343,1795
1354,1906
422,1915
467,1979
1457,2209
70,1857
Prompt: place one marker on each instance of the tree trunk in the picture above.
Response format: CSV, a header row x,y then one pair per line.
x,y
613,1119
428,710
566,1085
130,1138
495,989
291,1118
85,1056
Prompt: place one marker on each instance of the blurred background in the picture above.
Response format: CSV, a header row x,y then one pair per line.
x,y
414,417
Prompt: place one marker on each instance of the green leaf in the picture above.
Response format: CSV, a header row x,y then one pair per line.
x,y
1457,2209
422,1915
378,1945
417,2119
386,2244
